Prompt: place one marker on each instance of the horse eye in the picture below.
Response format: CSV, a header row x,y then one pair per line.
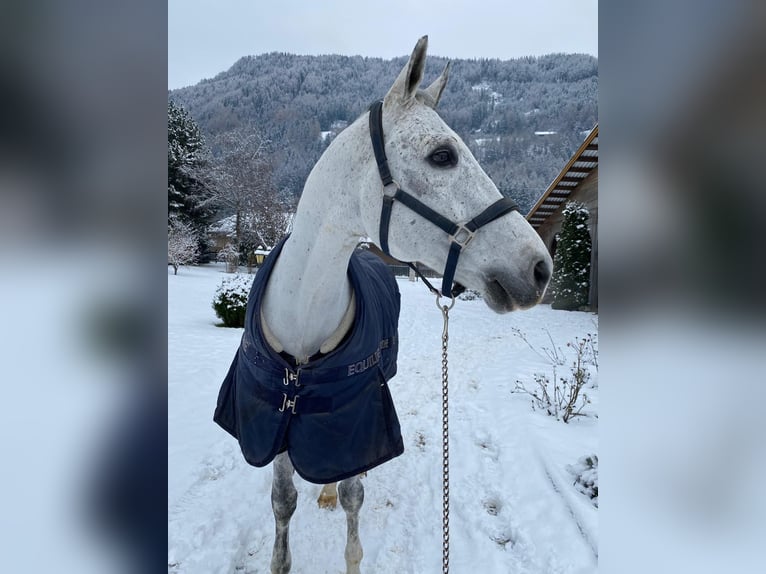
x,y
443,157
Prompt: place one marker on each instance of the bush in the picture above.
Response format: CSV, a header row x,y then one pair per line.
x,y
585,473
563,398
570,283
230,301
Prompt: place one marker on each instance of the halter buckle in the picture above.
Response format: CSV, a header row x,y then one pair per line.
x,y
393,184
462,235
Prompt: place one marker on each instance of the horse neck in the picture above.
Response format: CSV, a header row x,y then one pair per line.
x,y
308,292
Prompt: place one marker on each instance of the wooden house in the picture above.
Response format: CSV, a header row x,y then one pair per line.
x,y
577,181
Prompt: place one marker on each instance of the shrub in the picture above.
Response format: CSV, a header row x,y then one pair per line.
x,y
563,398
230,301
570,284
585,473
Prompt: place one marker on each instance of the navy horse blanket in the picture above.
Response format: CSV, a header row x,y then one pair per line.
x,y
334,415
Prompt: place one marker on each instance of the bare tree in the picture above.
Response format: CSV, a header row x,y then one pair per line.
x,y
183,244
240,180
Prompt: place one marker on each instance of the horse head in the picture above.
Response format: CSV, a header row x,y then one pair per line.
x,y
506,261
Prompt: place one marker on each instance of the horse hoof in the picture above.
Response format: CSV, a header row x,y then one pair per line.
x,y
327,501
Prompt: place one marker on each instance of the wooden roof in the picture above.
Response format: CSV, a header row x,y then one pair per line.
x,y
581,164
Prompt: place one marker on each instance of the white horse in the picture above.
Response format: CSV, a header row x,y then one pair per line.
x,y
307,302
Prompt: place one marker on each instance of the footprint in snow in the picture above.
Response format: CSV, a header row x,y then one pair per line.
x,y
492,505
499,529
487,445
502,538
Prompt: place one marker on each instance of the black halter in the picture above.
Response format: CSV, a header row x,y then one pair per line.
x,y
460,234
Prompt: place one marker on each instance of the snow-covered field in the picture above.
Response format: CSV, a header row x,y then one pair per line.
x,y
514,506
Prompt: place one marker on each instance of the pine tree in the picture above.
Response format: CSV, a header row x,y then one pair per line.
x,y
186,163
571,264
185,147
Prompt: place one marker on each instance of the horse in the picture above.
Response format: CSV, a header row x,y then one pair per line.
x,y
401,177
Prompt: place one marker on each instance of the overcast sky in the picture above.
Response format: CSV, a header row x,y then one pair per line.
x,y
206,37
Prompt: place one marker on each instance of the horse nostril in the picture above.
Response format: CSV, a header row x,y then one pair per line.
x,y
542,274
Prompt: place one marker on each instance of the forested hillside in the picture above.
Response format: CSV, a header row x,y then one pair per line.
x,y
299,103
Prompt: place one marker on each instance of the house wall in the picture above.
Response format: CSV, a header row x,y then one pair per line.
x,y
218,240
586,193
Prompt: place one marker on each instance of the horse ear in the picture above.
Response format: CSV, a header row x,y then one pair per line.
x,y
434,91
406,85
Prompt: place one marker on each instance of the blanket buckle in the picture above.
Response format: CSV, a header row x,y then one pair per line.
x,y
291,377
288,403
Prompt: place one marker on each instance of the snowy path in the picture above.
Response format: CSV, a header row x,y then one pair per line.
x,y
513,505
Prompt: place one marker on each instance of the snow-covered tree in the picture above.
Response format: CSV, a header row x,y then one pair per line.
x,y
183,244
240,182
185,150
570,284
187,155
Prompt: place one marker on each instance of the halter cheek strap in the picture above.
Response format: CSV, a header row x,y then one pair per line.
x,y
460,234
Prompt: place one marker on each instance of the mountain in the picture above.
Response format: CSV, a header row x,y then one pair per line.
x,y
522,118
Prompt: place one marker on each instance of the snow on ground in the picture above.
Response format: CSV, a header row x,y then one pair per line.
x,y
514,507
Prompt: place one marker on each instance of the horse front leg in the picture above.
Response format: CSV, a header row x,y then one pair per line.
x,y
351,494
284,499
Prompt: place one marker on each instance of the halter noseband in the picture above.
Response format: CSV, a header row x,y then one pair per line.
x,y
460,234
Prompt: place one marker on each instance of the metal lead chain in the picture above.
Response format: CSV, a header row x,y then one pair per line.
x,y
445,435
